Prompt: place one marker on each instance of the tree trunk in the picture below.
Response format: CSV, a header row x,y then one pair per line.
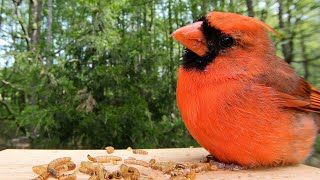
x,y
49,34
215,5
222,5
305,58
172,60
170,39
231,6
250,8
22,100
151,16
23,25
287,43
1,11
35,15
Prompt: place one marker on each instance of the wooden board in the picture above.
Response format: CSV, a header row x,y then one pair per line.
x,y
17,164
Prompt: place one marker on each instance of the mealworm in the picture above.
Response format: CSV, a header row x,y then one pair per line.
x,y
213,167
202,167
168,168
42,176
180,166
187,174
87,167
96,171
93,177
178,172
179,177
129,172
193,166
55,163
116,174
139,151
109,149
68,177
136,162
86,171
40,169
104,159
134,173
191,176
124,168
101,172
158,166
165,167
66,167
44,168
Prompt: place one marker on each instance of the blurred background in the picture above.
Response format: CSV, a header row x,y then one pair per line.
x,y
82,74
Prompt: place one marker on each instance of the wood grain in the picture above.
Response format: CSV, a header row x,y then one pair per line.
x,y
17,164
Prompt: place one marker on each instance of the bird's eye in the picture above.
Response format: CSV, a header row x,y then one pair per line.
x,y
226,41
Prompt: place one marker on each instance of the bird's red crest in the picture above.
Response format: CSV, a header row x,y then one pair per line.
x,y
231,22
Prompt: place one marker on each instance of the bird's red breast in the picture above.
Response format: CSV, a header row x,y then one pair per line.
x,y
238,99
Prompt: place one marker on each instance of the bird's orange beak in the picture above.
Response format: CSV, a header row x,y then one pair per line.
x,y
192,38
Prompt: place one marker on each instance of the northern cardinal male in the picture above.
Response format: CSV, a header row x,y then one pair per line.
x,y
239,100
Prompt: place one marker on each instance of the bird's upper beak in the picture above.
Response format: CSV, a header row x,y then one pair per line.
x,y
192,38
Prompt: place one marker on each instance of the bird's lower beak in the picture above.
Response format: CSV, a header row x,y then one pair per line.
x,y
192,38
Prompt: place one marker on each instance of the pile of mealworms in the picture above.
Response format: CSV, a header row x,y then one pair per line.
x,y
65,169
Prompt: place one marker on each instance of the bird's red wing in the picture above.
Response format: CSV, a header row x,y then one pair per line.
x,y
315,99
292,90
298,93
311,103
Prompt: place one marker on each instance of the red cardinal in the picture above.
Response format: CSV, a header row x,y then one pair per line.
x,y
238,99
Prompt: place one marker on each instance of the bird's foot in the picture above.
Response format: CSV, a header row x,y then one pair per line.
x,y
220,165
226,166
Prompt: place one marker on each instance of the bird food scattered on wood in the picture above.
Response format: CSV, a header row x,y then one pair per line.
x,y
202,167
109,149
129,172
117,174
42,176
72,176
104,159
87,167
152,161
140,151
43,172
101,172
55,163
136,162
39,169
96,170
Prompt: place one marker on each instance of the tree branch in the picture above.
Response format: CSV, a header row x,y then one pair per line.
x,y
141,4
12,117
309,60
1,11
71,42
250,8
9,84
7,107
65,46
22,24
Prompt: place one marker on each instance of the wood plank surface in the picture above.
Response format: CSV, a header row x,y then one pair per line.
x,y
17,164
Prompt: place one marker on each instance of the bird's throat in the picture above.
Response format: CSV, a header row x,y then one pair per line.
x,y
192,61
